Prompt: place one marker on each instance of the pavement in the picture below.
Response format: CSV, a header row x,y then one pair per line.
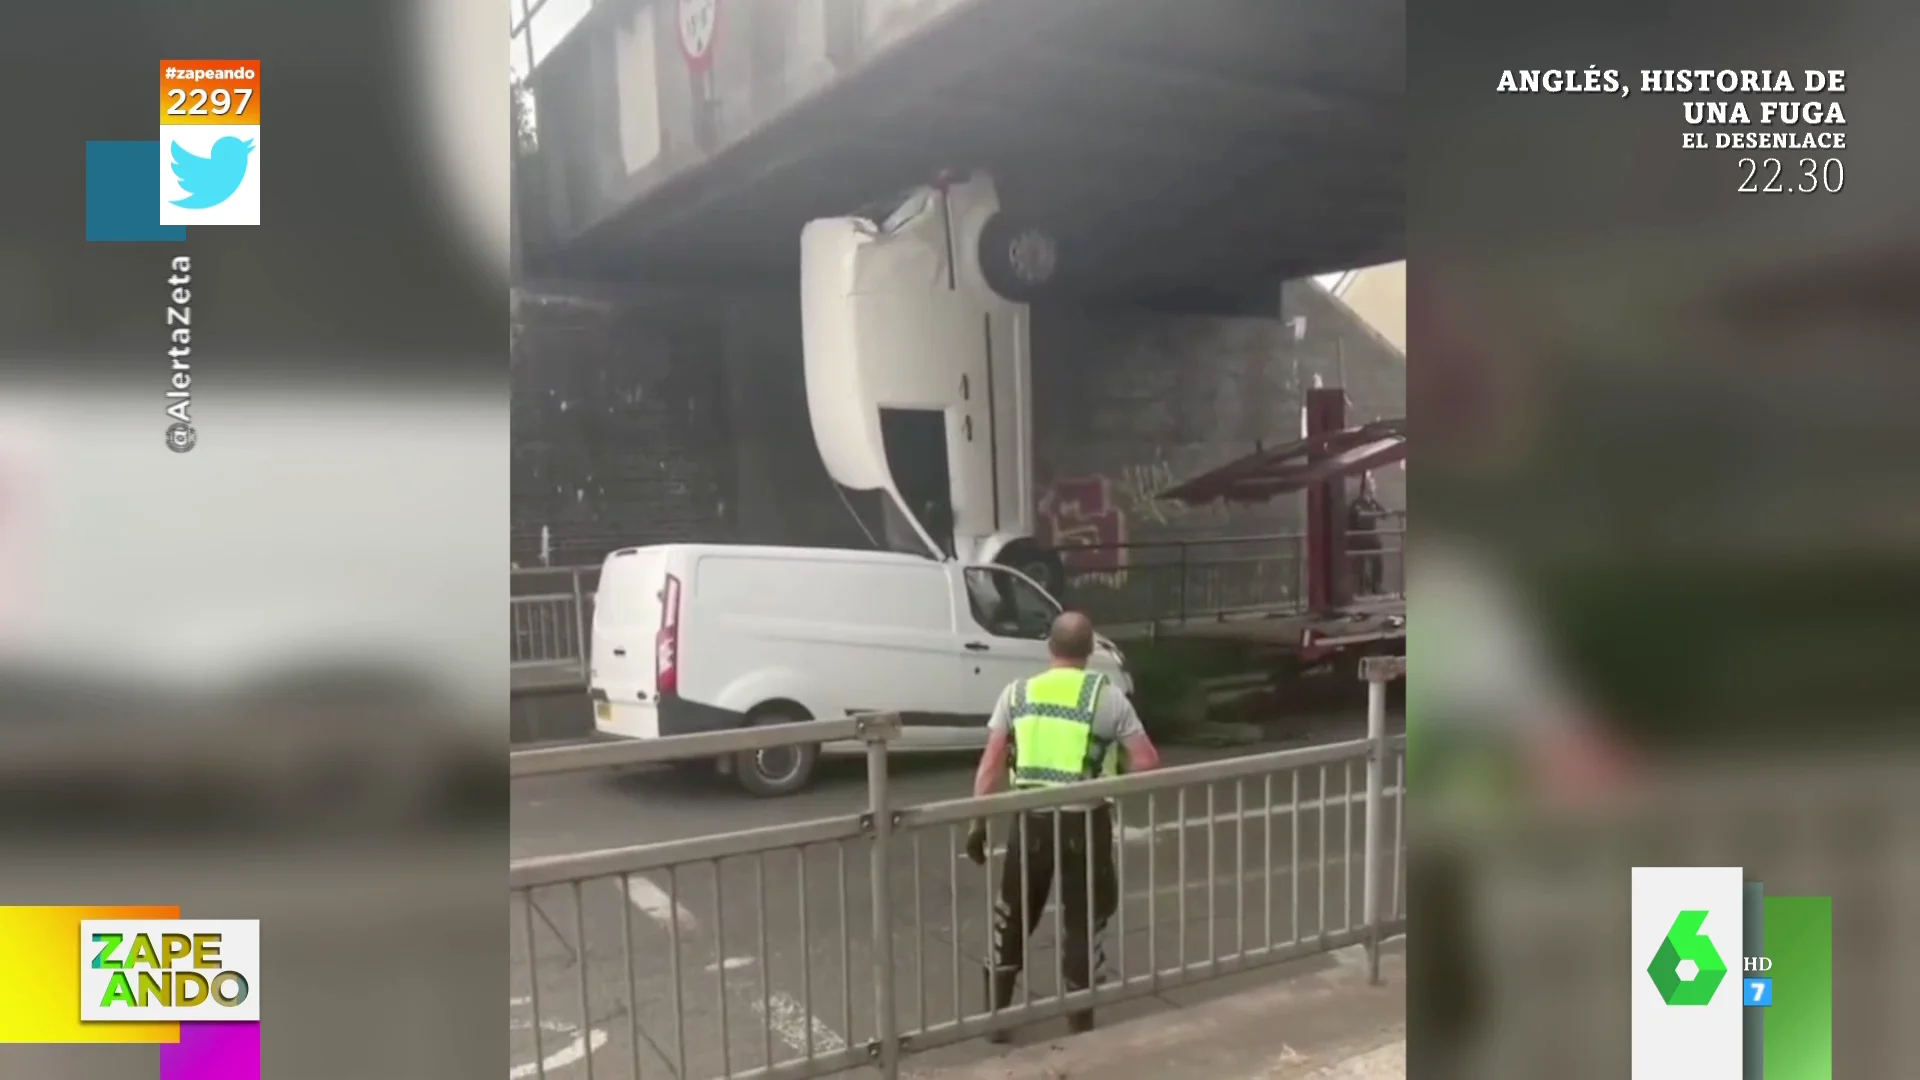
x,y
1330,1024
1380,1064
709,969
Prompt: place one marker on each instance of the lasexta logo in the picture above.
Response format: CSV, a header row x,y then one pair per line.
x,y
1684,948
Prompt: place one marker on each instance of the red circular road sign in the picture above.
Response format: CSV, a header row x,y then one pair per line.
x,y
699,24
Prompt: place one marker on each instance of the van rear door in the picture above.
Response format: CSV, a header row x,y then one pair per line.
x,y
626,623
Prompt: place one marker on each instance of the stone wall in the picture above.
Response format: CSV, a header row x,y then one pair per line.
x,y
642,417
1129,404
621,433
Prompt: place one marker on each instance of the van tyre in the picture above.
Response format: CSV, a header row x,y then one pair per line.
x,y
770,774
1019,259
1039,562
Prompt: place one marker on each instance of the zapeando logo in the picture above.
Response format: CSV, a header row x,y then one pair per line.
x,y
1685,946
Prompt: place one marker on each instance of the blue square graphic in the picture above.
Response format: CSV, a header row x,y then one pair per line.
x,y
1756,993
123,194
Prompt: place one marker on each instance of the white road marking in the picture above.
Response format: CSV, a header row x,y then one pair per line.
x,y
558,1027
653,902
518,1001
785,1016
572,1053
789,1020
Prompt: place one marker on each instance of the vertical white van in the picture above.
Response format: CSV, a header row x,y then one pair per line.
x,y
915,330
694,638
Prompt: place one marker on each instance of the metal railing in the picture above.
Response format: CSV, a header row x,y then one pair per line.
x,y
550,611
1149,585
1379,573
1162,582
1167,583
802,949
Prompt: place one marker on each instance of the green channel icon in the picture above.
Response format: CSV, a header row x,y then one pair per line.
x,y
1685,942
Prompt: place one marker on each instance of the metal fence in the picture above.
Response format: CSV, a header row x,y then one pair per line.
x,y
551,610
1144,586
1167,583
550,627
1174,581
804,949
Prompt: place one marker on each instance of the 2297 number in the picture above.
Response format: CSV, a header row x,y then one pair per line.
x,y
221,102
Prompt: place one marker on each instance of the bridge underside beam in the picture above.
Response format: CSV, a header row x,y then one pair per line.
x,y
1176,148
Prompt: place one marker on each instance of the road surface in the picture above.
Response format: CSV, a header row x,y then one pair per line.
x,y
754,960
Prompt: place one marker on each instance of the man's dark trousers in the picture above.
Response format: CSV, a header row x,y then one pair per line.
x,y
1081,856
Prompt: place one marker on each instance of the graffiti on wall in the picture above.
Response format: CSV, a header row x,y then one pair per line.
x,y
1097,515
1080,516
1140,487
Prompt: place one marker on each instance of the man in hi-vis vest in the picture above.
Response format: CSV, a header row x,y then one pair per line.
x,y
1058,728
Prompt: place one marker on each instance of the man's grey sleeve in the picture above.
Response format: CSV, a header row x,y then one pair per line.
x,y
1114,717
1002,717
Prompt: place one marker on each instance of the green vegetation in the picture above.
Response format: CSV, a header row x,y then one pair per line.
x,y
1171,677
1218,692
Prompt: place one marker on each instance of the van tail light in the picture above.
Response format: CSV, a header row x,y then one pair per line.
x,y
666,643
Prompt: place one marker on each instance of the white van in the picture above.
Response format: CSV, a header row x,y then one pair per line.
x,y
693,638
916,337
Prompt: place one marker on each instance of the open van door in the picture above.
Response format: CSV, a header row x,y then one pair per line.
x,y
635,619
918,373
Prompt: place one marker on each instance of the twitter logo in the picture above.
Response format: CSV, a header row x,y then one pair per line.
x,y
211,180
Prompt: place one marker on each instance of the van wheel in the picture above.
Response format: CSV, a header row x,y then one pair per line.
x,y
770,774
1042,564
1019,259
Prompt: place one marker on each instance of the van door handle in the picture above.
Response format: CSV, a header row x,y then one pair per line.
x,y
619,652
978,646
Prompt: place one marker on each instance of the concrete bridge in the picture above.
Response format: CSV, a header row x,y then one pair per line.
x,y
1186,154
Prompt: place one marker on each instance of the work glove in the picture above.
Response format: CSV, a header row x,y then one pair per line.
x,y
977,842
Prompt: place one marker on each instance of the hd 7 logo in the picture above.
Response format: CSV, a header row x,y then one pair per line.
x,y
1687,969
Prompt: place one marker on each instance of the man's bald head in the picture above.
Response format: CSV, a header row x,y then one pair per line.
x,y
1071,638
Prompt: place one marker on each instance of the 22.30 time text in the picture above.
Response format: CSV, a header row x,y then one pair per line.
x,y
1807,175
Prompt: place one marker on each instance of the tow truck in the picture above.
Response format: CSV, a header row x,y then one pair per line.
x,y
1333,621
